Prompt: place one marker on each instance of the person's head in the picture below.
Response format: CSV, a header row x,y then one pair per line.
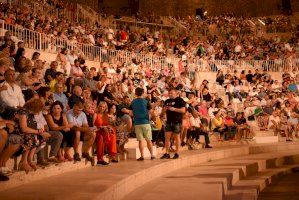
x,y
54,65
89,107
77,90
139,92
77,63
35,56
3,66
9,76
102,107
172,93
127,100
59,76
108,87
90,75
44,92
56,108
112,109
86,93
59,88
239,115
36,72
78,108
34,105
213,105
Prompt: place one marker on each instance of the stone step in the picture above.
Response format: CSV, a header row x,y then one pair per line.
x,y
232,174
266,139
253,185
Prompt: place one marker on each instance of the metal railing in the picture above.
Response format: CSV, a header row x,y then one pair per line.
x,y
51,44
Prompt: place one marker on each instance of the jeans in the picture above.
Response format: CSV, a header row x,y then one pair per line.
x,y
54,141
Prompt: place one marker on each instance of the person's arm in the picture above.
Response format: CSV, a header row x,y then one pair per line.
x,y
20,97
25,128
52,125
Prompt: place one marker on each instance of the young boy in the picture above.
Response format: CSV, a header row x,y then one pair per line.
x,y
140,107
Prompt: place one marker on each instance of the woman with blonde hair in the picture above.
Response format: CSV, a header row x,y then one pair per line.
x,y
106,135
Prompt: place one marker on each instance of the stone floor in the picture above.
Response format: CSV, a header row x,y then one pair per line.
x,y
88,183
287,188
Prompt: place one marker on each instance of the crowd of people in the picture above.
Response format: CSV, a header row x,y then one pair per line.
x,y
218,38
42,105
64,102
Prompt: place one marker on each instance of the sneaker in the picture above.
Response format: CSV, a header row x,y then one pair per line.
x,y
77,157
114,161
102,162
208,146
140,159
88,158
5,171
153,157
176,156
165,156
3,177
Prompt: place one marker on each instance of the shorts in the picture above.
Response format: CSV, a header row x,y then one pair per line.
x,y
174,128
143,131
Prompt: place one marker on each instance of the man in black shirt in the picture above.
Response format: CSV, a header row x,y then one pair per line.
x,y
174,107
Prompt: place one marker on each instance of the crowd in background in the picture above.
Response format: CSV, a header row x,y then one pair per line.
x,y
64,102
218,38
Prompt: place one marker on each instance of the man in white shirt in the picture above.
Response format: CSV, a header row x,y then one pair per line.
x,y
197,129
72,57
78,120
12,96
76,71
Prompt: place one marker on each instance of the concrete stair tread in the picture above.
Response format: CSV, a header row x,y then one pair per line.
x,y
125,178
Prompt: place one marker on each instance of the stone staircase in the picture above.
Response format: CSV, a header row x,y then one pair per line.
x,y
238,178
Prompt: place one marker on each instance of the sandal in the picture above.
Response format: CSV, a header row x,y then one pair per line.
x,y
33,166
24,167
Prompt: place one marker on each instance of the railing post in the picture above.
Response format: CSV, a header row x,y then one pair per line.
x,y
40,41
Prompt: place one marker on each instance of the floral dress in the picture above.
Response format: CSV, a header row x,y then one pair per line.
x,y
30,140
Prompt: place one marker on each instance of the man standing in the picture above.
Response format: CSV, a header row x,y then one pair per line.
x,y
174,107
141,107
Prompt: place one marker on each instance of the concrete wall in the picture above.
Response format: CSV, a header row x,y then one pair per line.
x,y
188,7
214,7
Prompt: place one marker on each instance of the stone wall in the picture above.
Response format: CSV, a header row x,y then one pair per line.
x,y
214,7
188,7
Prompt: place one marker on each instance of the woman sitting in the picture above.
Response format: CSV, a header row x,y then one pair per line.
x,y
217,125
57,121
33,137
242,126
121,129
106,135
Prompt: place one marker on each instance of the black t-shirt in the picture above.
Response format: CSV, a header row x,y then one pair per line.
x,y
240,121
174,117
207,97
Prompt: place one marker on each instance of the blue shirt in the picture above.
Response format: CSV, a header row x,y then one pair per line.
x,y
140,107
